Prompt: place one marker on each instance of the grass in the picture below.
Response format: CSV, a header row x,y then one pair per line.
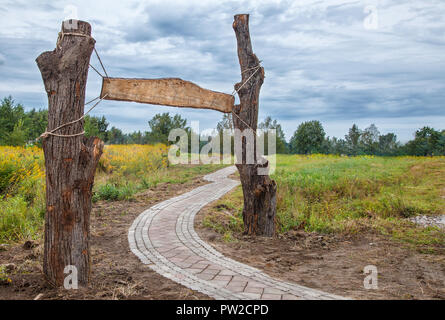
x,y
22,198
317,193
123,171
333,194
4,278
116,187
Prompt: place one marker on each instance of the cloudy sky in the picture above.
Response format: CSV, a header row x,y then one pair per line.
x,y
337,61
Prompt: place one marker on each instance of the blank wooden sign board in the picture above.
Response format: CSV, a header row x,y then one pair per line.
x,y
173,92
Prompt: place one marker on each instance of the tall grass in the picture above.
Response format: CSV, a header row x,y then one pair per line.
x,y
22,203
326,193
123,171
323,193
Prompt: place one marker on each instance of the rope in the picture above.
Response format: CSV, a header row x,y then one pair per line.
x,y
97,71
60,39
101,63
51,133
257,67
245,123
62,35
91,101
252,67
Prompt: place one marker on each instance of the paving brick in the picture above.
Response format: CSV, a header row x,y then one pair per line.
x,y
227,273
237,284
253,289
235,289
213,272
273,291
219,283
255,284
223,277
252,296
205,276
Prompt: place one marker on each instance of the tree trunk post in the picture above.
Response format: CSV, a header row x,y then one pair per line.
x,y
70,161
259,191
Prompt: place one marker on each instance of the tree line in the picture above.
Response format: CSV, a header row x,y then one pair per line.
x,y
19,128
310,137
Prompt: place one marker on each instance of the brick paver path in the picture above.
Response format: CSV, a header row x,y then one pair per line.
x,y
163,237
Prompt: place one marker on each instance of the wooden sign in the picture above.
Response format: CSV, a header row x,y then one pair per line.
x,y
173,92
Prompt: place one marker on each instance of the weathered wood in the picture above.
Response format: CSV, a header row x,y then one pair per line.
x,y
168,91
70,161
259,191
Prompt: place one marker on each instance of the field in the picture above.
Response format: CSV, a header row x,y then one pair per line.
x,y
334,216
346,195
123,171
317,193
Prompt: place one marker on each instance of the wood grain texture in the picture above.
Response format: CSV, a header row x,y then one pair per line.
x,y
173,92
70,162
259,191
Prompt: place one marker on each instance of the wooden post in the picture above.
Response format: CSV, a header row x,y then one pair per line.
x,y
259,190
70,161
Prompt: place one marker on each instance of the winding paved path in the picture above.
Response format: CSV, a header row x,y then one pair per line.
x,y
163,237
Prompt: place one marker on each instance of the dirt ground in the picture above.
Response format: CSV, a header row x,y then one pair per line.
x,y
335,263
116,272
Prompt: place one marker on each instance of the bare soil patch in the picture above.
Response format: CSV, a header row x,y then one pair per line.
x,y
334,263
116,274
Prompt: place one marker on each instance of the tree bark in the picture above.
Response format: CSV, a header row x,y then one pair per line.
x,y
259,190
70,161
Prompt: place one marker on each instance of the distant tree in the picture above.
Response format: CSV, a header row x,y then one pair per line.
x,y
308,138
10,115
268,124
35,123
427,142
18,136
136,137
115,136
352,140
96,127
339,146
327,146
161,125
369,139
225,124
388,145
441,144
225,127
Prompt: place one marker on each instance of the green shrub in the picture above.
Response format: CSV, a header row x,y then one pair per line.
x,y
19,221
113,192
106,191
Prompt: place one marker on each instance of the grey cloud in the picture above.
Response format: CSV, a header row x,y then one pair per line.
x,y
319,61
